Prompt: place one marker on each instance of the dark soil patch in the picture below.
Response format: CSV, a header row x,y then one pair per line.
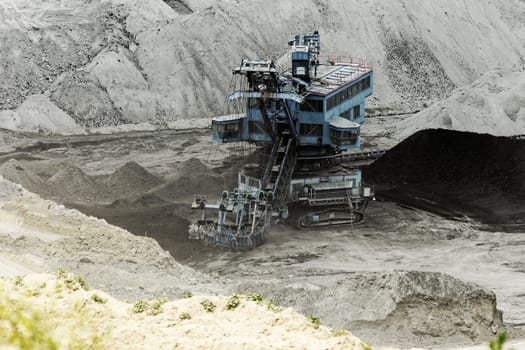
x,y
456,174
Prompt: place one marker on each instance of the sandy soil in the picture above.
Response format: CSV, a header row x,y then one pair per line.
x,y
493,104
42,236
76,317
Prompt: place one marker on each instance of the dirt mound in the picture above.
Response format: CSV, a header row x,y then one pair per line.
x,y
82,97
493,104
129,180
456,172
394,307
193,177
49,236
71,184
16,172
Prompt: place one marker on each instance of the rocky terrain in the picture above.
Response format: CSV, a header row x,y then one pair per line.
x,y
101,102
72,65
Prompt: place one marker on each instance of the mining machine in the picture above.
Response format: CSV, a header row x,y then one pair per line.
x,y
305,119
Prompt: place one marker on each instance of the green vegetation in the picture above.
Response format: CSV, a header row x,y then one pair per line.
x,y
185,316
254,297
366,346
31,293
187,295
208,305
98,299
314,321
499,342
340,333
139,307
18,281
71,281
152,307
22,328
233,302
270,305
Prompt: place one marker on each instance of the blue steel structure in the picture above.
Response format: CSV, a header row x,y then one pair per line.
x,y
304,117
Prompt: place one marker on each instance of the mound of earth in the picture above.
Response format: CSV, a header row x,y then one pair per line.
x,y
193,177
493,104
41,236
129,180
16,172
71,184
455,174
394,307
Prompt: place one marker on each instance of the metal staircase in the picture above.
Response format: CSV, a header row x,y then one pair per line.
x,y
280,167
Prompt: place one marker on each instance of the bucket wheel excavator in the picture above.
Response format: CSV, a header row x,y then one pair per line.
x,y
304,117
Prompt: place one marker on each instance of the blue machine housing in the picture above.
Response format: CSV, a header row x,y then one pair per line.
x,y
325,97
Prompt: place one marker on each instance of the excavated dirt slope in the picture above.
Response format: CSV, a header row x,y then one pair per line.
x,y
456,174
494,104
68,65
41,236
422,305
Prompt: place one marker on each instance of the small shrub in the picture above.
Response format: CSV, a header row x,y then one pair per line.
x,y
32,293
233,302
152,308
499,342
366,346
254,297
187,295
22,328
340,333
270,306
139,307
185,316
98,299
208,305
155,306
314,321
71,281
18,281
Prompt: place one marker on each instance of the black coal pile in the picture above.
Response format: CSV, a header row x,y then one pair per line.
x,y
456,174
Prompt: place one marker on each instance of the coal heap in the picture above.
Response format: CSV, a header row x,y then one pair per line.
x,y
456,174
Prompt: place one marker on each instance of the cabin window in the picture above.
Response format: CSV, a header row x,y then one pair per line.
x,y
366,83
344,137
228,131
354,90
357,111
312,106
